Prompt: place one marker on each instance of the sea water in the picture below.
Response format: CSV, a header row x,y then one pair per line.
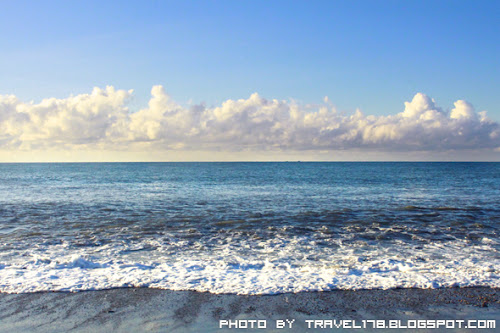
x,y
248,228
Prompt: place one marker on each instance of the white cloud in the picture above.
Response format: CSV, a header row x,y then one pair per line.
x,y
102,120
78,120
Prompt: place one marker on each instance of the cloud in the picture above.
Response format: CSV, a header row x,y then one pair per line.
x,y
99,117
102,120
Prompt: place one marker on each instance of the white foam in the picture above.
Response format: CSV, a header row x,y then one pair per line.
x,y
277,266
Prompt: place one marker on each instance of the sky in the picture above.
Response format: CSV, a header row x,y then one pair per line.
x,y
249,80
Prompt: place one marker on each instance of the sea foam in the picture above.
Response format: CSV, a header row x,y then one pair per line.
x,y
232,273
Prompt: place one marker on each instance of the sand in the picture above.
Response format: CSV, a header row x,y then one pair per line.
x,y
154,310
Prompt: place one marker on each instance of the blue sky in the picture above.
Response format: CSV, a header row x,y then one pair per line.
x,y
371,55
368,54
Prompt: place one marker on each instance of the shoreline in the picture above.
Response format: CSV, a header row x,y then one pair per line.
x,y
159,310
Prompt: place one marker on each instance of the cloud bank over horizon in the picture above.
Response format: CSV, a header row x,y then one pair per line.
x,y
102,120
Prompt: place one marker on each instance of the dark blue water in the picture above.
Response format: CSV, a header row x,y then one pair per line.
x,y
234,227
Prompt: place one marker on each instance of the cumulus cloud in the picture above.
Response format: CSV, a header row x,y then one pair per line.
x,y
99,117
102,120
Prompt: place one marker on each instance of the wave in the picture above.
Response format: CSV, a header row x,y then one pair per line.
x,y
283,270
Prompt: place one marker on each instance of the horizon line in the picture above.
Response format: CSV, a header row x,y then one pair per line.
x,y
249,161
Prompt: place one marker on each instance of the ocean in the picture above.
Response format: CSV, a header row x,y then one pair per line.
x,y
249,228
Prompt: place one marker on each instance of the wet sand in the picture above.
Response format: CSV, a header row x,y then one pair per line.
x,y
154,310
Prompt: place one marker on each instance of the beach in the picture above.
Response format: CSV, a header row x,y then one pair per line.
x,y
156,310
260,166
